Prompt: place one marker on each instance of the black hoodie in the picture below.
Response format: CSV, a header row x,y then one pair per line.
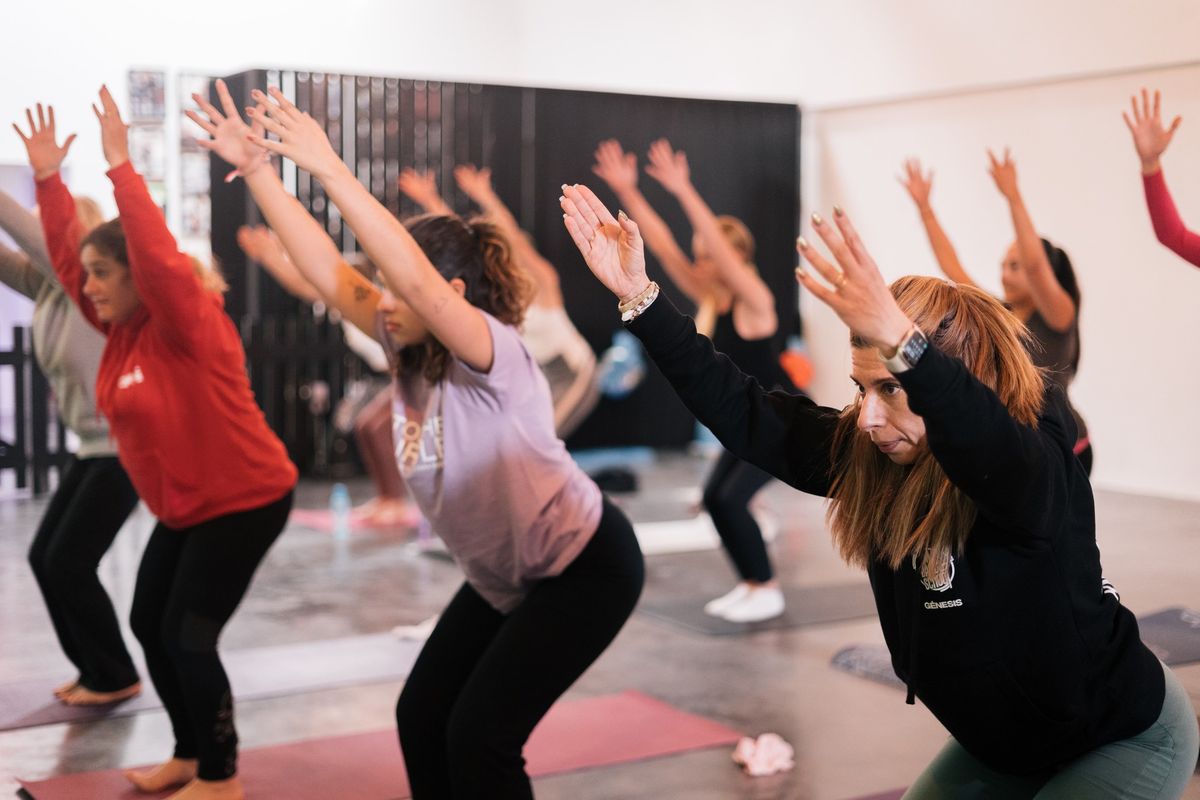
x,y
1022,654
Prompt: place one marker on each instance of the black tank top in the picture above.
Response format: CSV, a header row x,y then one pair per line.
x,y
758,358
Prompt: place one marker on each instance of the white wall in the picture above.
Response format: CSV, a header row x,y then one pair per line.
x,y
1137,385
1077,169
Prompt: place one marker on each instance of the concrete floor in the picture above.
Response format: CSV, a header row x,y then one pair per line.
x,y
852,737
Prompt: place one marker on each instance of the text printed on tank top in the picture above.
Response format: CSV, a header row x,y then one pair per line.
x,y
421,447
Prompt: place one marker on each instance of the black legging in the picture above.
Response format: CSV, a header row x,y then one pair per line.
x,y
188,586
93,500
484,679
727,494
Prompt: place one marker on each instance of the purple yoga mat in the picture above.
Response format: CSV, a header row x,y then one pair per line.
x,y
594,732
254,674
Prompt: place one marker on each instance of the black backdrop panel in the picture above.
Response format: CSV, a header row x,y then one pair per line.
x,y
743,158
744,162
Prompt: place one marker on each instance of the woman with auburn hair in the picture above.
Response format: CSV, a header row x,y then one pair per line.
x,y
172,382
736,309
94,496
1040,285
552,568
951,479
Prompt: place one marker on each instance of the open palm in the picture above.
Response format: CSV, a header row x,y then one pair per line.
x,y
611,247
45,154
229,133
1150,138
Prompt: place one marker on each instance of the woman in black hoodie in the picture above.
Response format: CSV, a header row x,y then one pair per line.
x,y
953,482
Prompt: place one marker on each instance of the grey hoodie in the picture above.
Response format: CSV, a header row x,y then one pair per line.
x,y
68,348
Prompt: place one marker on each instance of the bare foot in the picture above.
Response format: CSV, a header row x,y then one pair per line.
x,y
229,789
82,696
66,688
175,772
391,513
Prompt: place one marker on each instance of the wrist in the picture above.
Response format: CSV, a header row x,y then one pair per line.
x,y
117,159
44,173
892,335
1152,166
642,285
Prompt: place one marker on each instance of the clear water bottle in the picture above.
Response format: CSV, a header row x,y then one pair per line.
x,y
339,510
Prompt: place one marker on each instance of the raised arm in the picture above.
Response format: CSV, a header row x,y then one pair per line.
x,y
60,224
1151,139
17,268
997,461
619,170
1049,297
421,188
312,253
670,168
23,226
165,276
263,247
477,184
786,435
443,309
918,185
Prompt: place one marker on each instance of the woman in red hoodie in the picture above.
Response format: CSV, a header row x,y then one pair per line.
x,y
173,384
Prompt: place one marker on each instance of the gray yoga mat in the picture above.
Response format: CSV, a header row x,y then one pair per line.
x,y
806,605
254,674
869,661
1173,634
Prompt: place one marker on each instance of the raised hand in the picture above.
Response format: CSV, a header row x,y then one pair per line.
x,y
917,183
114,133
231,137
420,187
259,243
1004,173
616,167
301,138
475,182
41,145
859,296
1150,139
669,167
612,247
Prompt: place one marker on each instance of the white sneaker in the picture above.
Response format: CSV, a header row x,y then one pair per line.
x,y
717,607
760,603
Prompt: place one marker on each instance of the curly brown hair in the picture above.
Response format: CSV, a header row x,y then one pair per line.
x,y
476,252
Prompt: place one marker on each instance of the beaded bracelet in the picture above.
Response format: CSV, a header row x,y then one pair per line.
x,y
646,299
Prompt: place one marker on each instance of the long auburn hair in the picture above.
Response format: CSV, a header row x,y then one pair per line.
x,y
887,511
476,252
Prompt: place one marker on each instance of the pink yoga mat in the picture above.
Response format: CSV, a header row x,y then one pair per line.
x,y
594,732
322,520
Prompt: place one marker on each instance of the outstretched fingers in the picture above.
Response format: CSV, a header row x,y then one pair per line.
x,y
813,256
582,231
598,208
205,125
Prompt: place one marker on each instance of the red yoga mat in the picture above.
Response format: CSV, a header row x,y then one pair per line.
x,y
579,734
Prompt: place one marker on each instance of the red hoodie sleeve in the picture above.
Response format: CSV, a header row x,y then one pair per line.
x,y
1168,227
63,233
165,278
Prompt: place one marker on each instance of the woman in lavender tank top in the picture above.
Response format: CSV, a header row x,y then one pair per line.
x,y
552,569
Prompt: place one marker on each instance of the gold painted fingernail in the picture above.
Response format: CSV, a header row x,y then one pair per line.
x,y
816,218
802,243
621,215
837,211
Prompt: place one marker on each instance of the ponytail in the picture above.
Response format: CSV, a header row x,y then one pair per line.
x,y
475,252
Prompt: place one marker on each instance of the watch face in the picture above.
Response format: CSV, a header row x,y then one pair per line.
x,y
914,348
